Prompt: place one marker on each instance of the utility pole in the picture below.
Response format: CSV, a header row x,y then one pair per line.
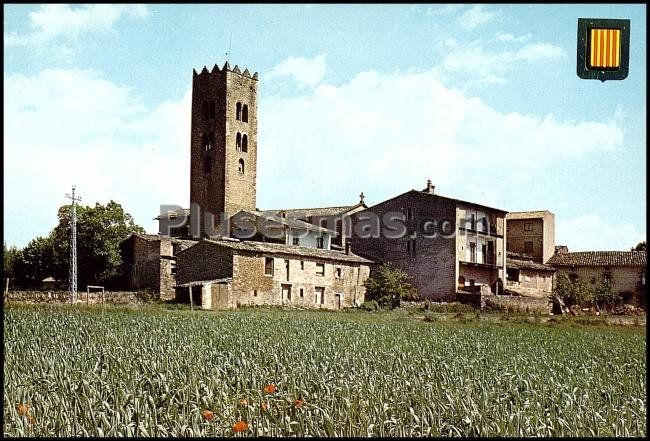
x,y
73,245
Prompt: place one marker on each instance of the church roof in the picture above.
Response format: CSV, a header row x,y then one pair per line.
x,y
290,222
318,212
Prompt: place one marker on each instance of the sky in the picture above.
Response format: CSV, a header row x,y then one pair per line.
x,y
484,100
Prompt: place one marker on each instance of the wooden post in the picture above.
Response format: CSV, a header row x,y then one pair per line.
x,y
7,288
191,302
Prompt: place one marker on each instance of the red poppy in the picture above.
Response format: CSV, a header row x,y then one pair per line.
x,y
240,426
31,419
264,406
23,409
243,402
298,403
270,388
207,415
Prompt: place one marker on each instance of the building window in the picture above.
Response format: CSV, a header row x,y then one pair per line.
x,y
173,269
528,226
320,242
472,251
244,113
642,279
241,166
286,265
302,293
238,112
207,165
244,143
302,264
410,213
528,247
268,266
208,141
254,293
238,142
319,297
607,279
338,273
461,281
212,109
473,222
296,241
320,269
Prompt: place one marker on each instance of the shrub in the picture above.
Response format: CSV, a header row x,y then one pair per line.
x,y
389,287
370,305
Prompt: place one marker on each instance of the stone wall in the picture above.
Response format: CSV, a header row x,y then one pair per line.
x,y
113,297
204,261
517,304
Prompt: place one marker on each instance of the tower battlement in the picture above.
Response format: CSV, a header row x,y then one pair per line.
x,y
225,68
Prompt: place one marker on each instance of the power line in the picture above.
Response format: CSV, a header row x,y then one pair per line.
x,y
73,245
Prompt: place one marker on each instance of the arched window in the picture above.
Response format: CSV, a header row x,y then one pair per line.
x,y
241,166
238,142
238,112
244,143
208,141
244,113
207,165
212,110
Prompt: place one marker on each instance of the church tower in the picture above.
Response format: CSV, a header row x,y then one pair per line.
x,y
223,166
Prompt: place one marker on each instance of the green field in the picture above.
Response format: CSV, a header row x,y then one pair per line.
x,y
153,371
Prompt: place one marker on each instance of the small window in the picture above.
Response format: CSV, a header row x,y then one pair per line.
x,y
207,165
338,273
244,143
320,269
244,113
241,166
238,142
302,293
296,241
473,222
212,112
268,266
302,264
173,269
319,295
238,112
320,242
254,293
607,278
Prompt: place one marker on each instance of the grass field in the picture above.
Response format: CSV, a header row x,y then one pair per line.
x,y
155,372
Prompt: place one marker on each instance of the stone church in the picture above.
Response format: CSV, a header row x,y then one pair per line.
x,y
223,252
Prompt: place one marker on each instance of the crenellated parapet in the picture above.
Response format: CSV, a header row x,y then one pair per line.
x,y
226,68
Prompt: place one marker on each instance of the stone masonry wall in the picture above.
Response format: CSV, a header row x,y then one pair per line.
x,y
204,261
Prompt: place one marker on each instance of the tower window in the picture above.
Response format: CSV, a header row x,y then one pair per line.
x,y
211,110
238,142
208,141
244,113
244,143
206,110
207,165
238,112
241,166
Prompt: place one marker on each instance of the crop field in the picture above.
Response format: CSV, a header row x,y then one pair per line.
x,y
156,372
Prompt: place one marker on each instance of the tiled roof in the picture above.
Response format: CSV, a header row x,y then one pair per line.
x,y
599,258
523,261
289,222
527,214
454,200
290,250
152,237
304,212
172,213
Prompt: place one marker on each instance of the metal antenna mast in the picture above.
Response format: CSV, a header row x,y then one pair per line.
x,y
73,245
229,46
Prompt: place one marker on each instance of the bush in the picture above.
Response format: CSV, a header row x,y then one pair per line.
x,y
389,287
604,296
572,292
370,305
448,307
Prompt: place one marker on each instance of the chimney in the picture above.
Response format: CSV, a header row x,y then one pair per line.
x,y
430,188
347,247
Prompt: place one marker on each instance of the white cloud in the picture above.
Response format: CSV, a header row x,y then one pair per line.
x,y
390,132
539,51
65,127
306,71
54,21
510,38
474,17
591,233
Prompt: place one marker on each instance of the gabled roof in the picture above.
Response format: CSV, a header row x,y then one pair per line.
x,y
524,261
319,212
599,258
513,215
455,201
290,222
286,250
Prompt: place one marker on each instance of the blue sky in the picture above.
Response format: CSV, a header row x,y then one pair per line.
x,y
483,100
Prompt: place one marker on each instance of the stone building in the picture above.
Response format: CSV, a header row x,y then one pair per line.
x,y
227,273
531,233
150,262
526,277
446,245
625,271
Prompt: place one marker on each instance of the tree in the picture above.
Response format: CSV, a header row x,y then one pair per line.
x,y
389,287
575,292
100,229
604,296
639,247
33,263
9,257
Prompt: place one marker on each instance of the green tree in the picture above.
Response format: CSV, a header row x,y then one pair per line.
x,y
9,257
639,247
575,292
604,296
389,287
33,263
100,229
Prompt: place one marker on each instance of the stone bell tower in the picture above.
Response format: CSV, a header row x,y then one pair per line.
x,y
223,148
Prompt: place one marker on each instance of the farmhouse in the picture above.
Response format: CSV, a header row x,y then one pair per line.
x,y
625,271
526,277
